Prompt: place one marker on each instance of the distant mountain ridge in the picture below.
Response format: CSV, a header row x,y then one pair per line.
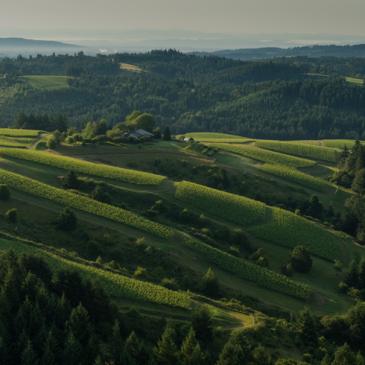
x,y
24,42
342,51
12,47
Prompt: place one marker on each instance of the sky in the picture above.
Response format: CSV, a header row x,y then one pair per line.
x,y
344,17
185,24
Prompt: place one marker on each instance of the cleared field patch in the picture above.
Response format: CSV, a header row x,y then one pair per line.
x,y
263,155
273,224
301,149
84,167
131,68
47,82
217,137
355,80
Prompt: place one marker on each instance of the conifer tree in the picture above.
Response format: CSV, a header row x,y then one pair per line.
x,y
190,352
165,352
344,356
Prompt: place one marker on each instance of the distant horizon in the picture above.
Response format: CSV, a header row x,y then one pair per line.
x,y
184,40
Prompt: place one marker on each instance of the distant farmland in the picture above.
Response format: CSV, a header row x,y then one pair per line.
x,y
47,82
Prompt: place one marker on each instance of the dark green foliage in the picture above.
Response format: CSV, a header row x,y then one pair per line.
x,y
165,352
67,220
194,93
4,192
167,134
71,181
210,285
12,215
300,259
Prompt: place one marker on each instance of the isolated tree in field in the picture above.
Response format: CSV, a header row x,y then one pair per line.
x,y
165,352
67,220
300,259
167,134
210,285
12,215
4,192
71,181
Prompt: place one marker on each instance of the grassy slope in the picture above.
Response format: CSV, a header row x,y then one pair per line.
x,y
47,82
274,297
125,290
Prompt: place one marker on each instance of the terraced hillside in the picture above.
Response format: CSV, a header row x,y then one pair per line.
x,y
133,210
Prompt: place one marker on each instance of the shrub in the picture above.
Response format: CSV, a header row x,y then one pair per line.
x,y
67,220
301,260
4,192
12,215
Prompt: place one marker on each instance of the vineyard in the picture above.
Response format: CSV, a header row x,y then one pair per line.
x,y
236,208
115,284
252,272
296,177
217,137
84,167
301,149
272,224
83,203
264,155
20,133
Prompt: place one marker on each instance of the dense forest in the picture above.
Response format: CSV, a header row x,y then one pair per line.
x,y
282,98
50,319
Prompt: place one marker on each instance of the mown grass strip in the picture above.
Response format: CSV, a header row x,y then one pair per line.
x,y
301,149
9,132
84,167
84,204
263,155
297,177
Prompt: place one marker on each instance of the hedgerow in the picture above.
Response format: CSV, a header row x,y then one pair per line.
x,y
264,155
83,203
301,149
84,167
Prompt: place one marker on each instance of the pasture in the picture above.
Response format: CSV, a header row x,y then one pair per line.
x,y
47,82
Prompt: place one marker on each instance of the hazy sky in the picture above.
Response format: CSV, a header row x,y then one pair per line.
x,y
239,16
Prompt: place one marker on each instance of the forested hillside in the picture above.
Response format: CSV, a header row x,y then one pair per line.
x,y
285,98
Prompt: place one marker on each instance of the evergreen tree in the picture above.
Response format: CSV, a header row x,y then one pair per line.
x,y
29,357
190,352
133,352
210,285
165,352
358,184
233,352
167,134
344,356
117,344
